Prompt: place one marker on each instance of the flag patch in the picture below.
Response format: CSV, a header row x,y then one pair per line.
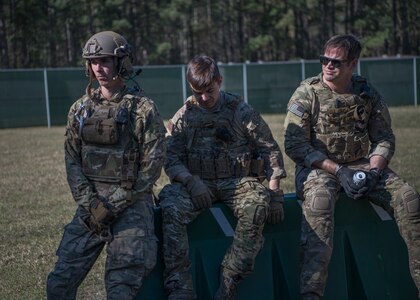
x,y
297,110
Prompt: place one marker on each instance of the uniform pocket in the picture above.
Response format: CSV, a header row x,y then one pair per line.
x,y
133,246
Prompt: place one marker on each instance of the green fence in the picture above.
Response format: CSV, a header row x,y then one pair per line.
x,y
42,97
369,261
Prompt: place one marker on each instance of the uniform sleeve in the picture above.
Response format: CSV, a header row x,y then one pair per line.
x,y
262,139
297,140
150,132
380,132
177,148
79,185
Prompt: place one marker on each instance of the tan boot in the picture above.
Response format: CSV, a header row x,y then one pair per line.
x,y
227,287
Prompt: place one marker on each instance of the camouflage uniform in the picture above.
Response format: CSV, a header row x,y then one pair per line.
x,y
120,163
322,124
219,146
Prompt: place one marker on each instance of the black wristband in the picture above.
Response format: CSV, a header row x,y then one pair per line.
x,y
277,195
337,168
377,172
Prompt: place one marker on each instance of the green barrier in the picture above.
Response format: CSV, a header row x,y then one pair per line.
x,y
369,259
22,99
389,76
26,101
270,86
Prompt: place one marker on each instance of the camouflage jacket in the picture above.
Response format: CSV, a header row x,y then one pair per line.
x,y
220,143
322,124
140,139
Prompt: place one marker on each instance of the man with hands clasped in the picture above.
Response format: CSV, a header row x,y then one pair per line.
x,y
337,125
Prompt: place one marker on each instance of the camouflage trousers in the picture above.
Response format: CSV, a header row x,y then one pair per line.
x,y
249,201
131,254
320,191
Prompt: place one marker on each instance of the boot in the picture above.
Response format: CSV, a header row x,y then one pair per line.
x,y
310,296
182,295
227,287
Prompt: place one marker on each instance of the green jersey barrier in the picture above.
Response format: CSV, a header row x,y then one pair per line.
x,y
369,260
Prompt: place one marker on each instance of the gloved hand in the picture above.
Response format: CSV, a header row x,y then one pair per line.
x,y
200,194
276,214
101,213
345,177
372,178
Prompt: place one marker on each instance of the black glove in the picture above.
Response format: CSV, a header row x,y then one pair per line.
x,y
276,214
345,177
102,214
372,178
200,194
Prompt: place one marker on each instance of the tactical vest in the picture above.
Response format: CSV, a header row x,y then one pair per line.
x,y
109,150
215,149
341,121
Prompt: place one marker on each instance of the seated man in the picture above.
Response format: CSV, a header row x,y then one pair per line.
x,y
337,125
216,142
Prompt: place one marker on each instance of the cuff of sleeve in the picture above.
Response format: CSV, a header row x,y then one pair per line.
x,y
313,157
276,173
184,178
172,172
384,152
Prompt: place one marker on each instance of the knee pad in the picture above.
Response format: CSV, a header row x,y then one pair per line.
x,y
411,201
175,203
321,202
170,195
260,215
166,192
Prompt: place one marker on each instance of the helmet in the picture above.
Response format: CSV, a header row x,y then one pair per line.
x,y
109,43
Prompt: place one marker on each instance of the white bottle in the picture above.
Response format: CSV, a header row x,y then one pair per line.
x,y
359,178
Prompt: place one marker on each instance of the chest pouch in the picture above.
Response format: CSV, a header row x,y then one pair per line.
x,y
100,131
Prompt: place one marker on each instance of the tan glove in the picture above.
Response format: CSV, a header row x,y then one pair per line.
x,y
101,213
200,194
276,214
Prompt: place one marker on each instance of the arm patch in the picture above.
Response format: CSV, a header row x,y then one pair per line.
x,y
297,110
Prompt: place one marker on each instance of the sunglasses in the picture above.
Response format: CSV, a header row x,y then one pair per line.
x,y
336,63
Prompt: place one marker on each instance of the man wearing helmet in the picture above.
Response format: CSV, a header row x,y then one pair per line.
x,y
114,151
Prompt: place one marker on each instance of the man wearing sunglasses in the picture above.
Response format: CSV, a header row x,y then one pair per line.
x,y
337,124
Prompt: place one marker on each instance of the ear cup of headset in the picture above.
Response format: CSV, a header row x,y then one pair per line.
x,y
125,59
126,65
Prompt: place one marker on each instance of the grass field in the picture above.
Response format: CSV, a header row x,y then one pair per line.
x,y
36,202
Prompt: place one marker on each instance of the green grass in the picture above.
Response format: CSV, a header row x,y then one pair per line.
x,y
36,202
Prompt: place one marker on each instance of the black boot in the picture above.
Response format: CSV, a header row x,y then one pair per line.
x,y
182,295
227,287
310,296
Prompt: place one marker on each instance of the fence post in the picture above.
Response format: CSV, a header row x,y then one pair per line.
x,y
302,69
47,98
245,82
184,84
415,80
